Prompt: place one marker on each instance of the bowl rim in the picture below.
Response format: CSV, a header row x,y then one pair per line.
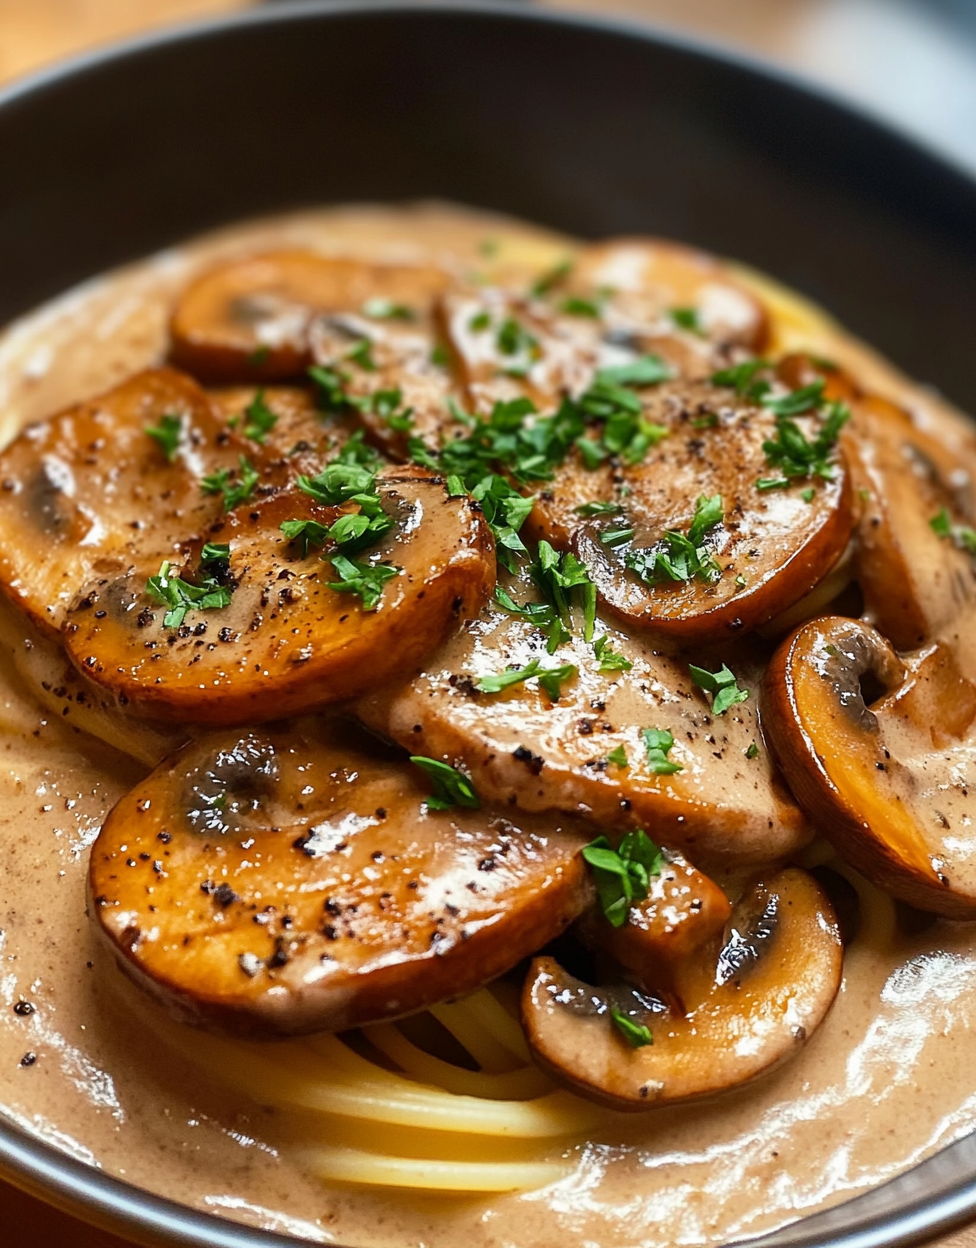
x,y
112,1204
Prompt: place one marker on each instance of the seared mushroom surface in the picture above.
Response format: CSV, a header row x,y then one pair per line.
x,y
768,985
284,882
275,624
249,320
714,793
110,483
878,750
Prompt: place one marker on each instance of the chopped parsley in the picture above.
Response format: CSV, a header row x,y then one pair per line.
x,y
616,537
236,491
552,278
618,757
648,370
680,557
636,1034
260,355
514,341
551,679
361,354
451,787
496,682
574,306
598,509
609,660
388,406
752,751
380,309
791,451
479,322
365,579
259,419
721,685
743,379
658,743
623,875
563,580
688,319
215,552
961,536
305,533
180,596
167,433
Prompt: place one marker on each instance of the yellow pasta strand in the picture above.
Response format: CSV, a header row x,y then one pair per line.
x,y
487,1011
350,1165
489,1053
514,1086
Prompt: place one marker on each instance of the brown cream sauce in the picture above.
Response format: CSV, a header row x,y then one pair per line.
x,y
885,1082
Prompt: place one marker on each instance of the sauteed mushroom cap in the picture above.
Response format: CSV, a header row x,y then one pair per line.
x,y
877,749
767,987
249,319
285,630
108,483
285,881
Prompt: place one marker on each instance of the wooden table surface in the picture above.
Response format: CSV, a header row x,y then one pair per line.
x,y
34,32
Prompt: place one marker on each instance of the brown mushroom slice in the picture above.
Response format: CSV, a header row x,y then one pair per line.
x,y
248,320
768,550
682,911
917,585
76,702
287,642
286,432
879,752
747,1009
287,881
642,283
727,804
90,491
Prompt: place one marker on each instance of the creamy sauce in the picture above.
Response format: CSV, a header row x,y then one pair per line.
x,y
884,1082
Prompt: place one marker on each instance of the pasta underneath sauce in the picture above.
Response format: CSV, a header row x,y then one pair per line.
x,y
439,1128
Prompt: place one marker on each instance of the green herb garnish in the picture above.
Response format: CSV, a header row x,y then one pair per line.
x,y
167,433
451,787
721,685
960,535
688,319
623,875
564,580
305,533
636,1034
551,279
658,743
598,509
234,492
259,419
365,579
752,751
380,309
677,557
618,757
362,355
609,660
180,596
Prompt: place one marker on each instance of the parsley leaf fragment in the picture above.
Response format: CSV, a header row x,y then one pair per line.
x,y
658,743
167,433
365,579
609,660
563,580
181,596
680,557
234,492
721,685
622,875
451,787
259,419
961,535
380,309
637,1035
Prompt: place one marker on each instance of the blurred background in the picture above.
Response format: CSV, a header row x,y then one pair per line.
x,y
912,62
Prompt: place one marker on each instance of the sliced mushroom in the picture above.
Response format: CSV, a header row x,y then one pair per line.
x,y
643,282
286,432
289,882
726,804
682,911
747,1008
40,662
878,750
287,642
248,320
90,491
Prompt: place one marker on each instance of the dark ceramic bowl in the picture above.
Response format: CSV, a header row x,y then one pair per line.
x,y
580,124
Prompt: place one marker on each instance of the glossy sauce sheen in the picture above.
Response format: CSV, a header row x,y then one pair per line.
x,y
885,1081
